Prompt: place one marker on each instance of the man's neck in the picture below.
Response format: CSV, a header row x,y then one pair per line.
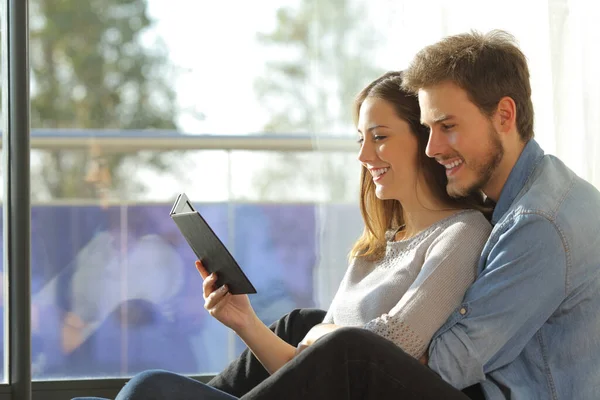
x,y
493,189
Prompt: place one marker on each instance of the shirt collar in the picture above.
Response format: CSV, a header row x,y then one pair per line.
x,y
531,155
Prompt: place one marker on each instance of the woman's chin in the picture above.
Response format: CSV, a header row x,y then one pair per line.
x,y
381,193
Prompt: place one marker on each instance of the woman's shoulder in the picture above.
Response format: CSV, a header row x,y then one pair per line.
x,y
465,229
467,223
472,217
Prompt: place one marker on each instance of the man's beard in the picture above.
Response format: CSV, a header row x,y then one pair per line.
x,y
483,170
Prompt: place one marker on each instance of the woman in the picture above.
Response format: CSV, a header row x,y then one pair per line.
x,y
409,270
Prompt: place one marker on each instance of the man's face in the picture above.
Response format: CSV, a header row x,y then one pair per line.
x,y
461,138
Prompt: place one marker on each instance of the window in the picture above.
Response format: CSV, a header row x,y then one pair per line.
x,y
128,109
246,108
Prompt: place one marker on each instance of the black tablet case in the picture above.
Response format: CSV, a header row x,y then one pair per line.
x,y
212,252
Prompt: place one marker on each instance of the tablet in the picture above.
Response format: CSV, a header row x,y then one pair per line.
x,y
208,248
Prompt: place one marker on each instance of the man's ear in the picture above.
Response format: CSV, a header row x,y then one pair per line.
x,y
505,118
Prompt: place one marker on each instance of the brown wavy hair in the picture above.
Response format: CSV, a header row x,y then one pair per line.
x,y
380,216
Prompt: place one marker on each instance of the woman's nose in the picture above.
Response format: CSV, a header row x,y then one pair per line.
x,y
366,152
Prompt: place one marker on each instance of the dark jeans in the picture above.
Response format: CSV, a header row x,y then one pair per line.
x,y
350,363
246,372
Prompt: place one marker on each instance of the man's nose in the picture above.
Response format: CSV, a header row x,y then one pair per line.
x,y
435,144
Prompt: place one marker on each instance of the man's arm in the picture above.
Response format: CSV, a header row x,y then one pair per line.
x,y
522,284
448,269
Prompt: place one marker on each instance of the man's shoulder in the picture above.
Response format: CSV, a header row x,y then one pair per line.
x,y
553,191
555,202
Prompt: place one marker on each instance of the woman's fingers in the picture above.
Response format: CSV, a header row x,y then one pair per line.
x,y
214,299
208,286
201,269
215,311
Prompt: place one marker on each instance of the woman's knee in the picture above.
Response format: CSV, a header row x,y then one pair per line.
x,y
354,334
146,384
348,337
160,385
152,376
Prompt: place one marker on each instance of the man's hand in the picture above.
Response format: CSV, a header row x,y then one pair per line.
x,y
424,359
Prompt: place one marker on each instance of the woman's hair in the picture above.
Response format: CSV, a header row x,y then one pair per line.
x,y
379,215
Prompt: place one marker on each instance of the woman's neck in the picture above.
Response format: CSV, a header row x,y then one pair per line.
x,y
422,210
417,221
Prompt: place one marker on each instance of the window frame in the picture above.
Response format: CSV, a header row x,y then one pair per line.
x,y
16,207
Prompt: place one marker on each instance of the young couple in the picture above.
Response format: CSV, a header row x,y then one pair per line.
x,y
438,303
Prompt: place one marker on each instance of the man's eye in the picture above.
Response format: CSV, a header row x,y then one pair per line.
x,y
360,140
447,127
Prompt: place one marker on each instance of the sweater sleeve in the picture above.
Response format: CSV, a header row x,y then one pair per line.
x,y
449,268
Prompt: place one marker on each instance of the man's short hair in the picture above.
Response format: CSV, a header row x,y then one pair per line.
x,y
487,66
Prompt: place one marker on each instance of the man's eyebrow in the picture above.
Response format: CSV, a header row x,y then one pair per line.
x,y
373,127
439,119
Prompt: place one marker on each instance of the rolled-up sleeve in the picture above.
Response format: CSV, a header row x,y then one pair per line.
x,y
521,285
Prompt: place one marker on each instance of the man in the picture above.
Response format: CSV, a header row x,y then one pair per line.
x,y
529,327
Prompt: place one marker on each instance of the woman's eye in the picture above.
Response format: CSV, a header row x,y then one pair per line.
x,y
378,137
360,140
448,127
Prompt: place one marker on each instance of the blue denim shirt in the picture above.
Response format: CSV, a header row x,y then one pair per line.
x,y
529,327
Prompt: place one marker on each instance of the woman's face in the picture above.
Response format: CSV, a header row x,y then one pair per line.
x,y
388,149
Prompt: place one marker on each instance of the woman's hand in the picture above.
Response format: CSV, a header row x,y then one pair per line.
x,y
315,333
233,311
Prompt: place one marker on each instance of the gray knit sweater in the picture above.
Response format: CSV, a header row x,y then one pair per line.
x,y
409,294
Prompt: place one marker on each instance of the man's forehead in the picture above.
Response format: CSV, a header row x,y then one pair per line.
x,y
439,102
432,111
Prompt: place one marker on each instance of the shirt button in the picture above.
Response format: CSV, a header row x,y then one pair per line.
x,y
462,311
